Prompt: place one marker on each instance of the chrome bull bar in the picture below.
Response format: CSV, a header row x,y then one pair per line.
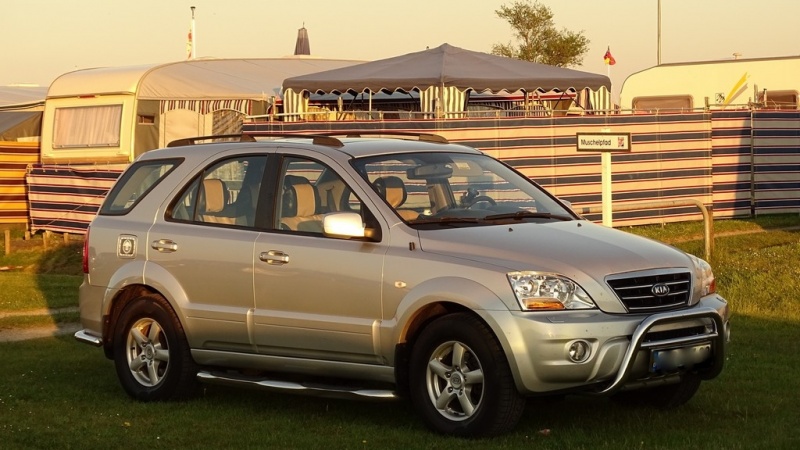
x,y
717,338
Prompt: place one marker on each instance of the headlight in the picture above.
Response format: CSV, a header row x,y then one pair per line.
x,y
546,292
704,276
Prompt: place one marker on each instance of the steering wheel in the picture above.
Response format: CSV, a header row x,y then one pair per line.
x,y
482,198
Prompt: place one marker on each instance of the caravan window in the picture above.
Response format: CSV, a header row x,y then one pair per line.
x,y
663,103
778,99
87,126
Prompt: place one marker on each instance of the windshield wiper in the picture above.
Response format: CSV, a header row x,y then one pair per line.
x,y
447,220
520,215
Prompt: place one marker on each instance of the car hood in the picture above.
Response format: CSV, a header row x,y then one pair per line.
x,y
575,248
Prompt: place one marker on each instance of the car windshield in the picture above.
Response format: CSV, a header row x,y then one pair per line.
x,y
457,189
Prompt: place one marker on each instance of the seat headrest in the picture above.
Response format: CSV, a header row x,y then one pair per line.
x,y
392,189
216,195
299,198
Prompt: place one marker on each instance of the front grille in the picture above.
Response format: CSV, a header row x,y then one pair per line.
x,y
652,290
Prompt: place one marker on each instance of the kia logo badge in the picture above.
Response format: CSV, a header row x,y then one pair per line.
x,y
660,290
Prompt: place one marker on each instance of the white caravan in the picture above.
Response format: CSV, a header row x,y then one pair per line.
x,y
771,83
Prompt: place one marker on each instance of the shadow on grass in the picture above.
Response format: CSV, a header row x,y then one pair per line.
x,y
39,288
58,273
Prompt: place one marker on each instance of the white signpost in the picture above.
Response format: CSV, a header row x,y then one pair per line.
x,y
605,142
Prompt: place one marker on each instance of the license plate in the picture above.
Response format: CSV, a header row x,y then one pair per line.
x,y
678,358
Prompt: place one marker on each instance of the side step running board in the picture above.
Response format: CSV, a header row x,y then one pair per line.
x,y
293,387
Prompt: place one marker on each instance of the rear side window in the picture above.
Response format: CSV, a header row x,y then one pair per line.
x,y
226,193
140,178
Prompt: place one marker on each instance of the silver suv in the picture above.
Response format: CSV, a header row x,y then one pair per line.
x,y
382,267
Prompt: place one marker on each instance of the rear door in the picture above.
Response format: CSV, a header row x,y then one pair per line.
x,y
202,252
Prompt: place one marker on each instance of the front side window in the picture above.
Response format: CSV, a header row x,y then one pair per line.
x,y
308,190
434,189
140,178
226,193
87,126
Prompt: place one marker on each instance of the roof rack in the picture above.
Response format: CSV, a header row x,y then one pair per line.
x,y
326,139
426,137
195,140
318,139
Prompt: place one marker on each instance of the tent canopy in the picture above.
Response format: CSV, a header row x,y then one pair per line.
x,y
21,97
19,124
447,66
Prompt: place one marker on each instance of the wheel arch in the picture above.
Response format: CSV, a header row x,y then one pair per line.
x,y
434,299
124,290
121,299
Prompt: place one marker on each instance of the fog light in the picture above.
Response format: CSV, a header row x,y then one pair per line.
x,y
579,351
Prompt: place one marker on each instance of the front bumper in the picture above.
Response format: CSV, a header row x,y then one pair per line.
x,y
622,348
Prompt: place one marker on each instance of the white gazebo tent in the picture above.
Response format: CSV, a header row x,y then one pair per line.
x,y
443,76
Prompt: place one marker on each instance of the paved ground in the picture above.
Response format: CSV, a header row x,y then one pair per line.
x,y
20,334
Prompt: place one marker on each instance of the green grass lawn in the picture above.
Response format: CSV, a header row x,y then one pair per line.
x,y
57,393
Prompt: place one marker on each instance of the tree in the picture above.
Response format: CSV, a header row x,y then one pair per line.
x,y
538,39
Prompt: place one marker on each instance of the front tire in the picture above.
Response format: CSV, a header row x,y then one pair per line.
x,y
460,379
151,354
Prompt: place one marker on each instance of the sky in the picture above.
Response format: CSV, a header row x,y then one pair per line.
x,y
42,39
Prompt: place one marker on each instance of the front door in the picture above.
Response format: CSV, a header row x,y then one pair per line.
x,y
316,297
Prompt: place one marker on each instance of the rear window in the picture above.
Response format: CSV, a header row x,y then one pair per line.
x,y
135,183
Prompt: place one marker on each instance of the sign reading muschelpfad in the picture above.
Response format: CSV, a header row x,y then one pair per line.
x,y
604,142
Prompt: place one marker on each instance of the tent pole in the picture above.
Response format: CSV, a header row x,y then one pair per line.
x,y
525,103
441,107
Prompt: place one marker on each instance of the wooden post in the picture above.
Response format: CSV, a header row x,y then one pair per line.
x,y
8,242
66,238
45,238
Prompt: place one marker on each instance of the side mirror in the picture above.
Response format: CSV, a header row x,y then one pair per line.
x,y
345,225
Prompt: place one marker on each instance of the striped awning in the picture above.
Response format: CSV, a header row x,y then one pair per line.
x,y
443,102
207,106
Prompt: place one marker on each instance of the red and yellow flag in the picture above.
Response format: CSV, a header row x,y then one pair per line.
x,y
189,44
608,58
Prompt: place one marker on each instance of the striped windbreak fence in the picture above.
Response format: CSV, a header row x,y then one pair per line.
x,y
66,198
671,156
732,163
741,163
14,160
776,162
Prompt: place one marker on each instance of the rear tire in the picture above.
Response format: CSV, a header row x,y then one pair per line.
x,y
460,380
151,354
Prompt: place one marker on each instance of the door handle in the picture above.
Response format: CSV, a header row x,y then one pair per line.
x,y
165,245
275,257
